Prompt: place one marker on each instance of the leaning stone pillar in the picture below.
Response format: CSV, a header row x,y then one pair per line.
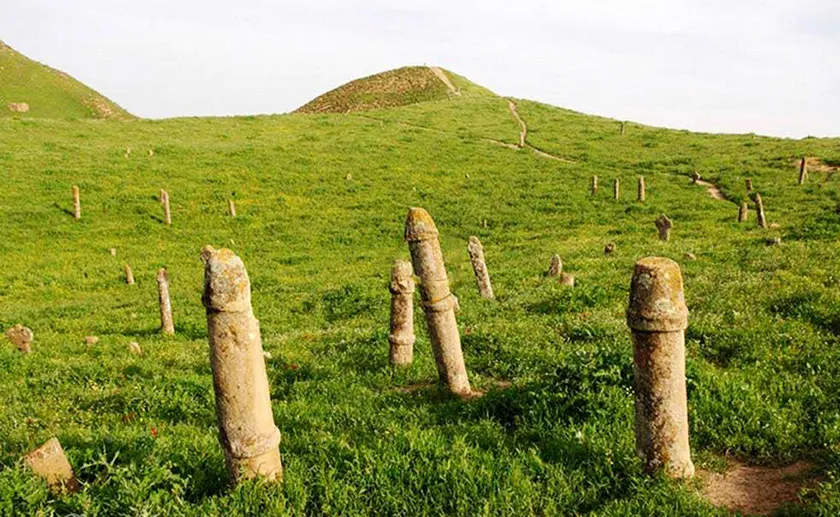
x,y
50,464
77,203
616,188
482,276
243,403
439,303
803,170
402,336
167,213
129,275
663,224
231,208
759,210
657,316
594,185
166,324
641,194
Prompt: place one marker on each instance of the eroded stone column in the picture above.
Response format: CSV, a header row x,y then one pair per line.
x,y
50,464
166,324
555,268
243,403
743,212
439,303
657,317
803,170
482,276
77,203
594,187
129,276
641,193
231,208
402,336
748,184
21,337
663,224
616,188
759,210
167,213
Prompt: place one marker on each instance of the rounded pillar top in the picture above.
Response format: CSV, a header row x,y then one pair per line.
x,y
657,302
226,284
419,225
401,277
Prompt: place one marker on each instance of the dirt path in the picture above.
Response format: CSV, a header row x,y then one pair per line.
x,y
523,129
712,189
438,71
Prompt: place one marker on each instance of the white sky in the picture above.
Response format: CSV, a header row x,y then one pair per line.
x,y
772,67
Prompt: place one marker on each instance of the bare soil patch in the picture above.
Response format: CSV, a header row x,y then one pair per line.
x,y
712,189
757,490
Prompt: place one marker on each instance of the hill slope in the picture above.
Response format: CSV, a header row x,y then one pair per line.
x,y
47,92
553,434
394,88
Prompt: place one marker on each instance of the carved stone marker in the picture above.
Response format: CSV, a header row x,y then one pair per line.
x,y
247,432
555,267
759,209
803,170
129,276
77,203
695,177
616,188
641,193
567,280
21,337
748,184
482,276
663,224
402,336
166,324
50,464
609,249
657,317
439,303
231,208
167,213
594,185
743,212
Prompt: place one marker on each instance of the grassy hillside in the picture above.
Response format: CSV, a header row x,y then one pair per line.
x,y
394,88
358,438
48,92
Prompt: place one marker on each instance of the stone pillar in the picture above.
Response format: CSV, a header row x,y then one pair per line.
x,y
402,336
759,210
231,208
439,303
77,203
243,404
623,126
167,213
743,212
609,249
166,324
567,280
129,276
594,185
657,317
555,268
803,171
641,194
695,177
616,188
21,337
748,184
482,276
663,224
50,464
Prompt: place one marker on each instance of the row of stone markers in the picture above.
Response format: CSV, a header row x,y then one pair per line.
x,y
641,188
657,316
164,201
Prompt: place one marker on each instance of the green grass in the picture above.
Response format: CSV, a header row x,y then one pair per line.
x,y
48,92
763,357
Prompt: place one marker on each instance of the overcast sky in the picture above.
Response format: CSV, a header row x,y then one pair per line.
x,y
772,67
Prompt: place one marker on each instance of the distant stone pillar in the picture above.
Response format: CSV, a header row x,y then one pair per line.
x,y
641,194
482,276
166,324
567,280
657,316
609,249
616,189
439,303
243,403
743,212
748,184
803,170
129,276
77,203
167,213
50,464
402,336
231,208
21,337
623,125
663,224
594,187
555,268
759,210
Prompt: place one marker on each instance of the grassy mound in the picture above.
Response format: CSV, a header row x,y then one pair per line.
x,y
394,88
553,435
47,92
